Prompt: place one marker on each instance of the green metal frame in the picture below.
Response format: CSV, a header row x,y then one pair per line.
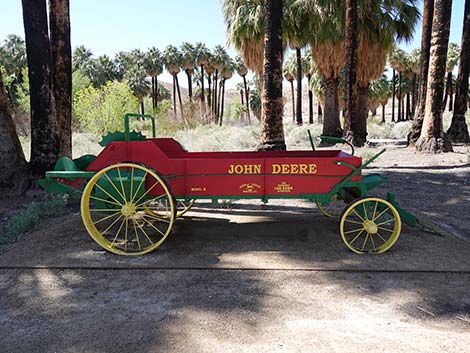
x,y
127,117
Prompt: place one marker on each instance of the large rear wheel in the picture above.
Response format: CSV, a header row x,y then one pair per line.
x,y
370,225
128,209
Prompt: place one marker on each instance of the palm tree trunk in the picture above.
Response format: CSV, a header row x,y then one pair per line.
x,y
451,97
203,98
156,92
408,103
428,14
190,87
298,116
293,100
319,113
174,94
222,103
61,52
247,93
272,130
351,119
219,93
153,93
142,107
242,98
414,92
14,178
362,114
432,137
310,100
209,93
331,123
447,92
383,113
214,100
393,95
44,137
458,131
179,95
400,98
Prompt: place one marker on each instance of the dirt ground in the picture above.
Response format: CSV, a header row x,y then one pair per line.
x,y
253,278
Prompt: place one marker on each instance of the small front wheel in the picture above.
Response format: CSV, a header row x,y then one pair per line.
x,y
333,209
370,225
127,209
183,206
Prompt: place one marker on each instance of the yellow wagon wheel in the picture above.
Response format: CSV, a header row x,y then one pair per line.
x,y
183,206
370,225
127,209
333,209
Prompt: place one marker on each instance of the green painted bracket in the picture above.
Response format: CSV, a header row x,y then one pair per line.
x,y
311,140
127,117
331,139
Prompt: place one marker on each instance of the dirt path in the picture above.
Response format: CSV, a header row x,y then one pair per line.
x,y
255,278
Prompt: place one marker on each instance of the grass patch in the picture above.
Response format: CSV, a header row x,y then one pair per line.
x,y
29,217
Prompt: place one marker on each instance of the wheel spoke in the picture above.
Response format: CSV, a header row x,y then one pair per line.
x,y
136,234
152,216
103,210
111,225
357,236
119,231
150,224
373,242
349,221
375,209
132,182
103,200
141,205
122,184
114,186
145,233
386,222
146,193
381,237
107,217
381,213
386,229
138,188
357,214
365,242
353,231
126,234
365,211
108,194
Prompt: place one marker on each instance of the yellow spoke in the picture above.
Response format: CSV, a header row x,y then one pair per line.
x,y
381,237
114,186
375,209
111,225
151,200
105,218
132,182
353,231
357,236
138,188
122,185
103,210
365,211
119,231
365,242
125,236
347,220
107,194
146,193
145,233
357,214
373,242
103,200
381,213
386,222
151,225
386,229
136,234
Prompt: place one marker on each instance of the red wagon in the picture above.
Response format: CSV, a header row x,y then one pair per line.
x,y
136,187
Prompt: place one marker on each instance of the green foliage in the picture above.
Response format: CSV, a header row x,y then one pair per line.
x,y
99,110
255,103
79,82
22,93
238,110
29,217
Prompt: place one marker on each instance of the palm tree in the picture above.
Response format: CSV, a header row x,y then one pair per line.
x,y
272,131
290,74
122,62
398,61
351,130
453,55
61,51
188,57
210,70
14,178
297,29
245,29
13,59
242,71
137,81
428,14
153,64
380,93
218,60
226,73
80,57
432,137
172,61
458,131
202,59
44,137
414,62
308,68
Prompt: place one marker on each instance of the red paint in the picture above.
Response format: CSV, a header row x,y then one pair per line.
x,y
199,174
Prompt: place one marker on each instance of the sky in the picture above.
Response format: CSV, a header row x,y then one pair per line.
x,y
109,26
